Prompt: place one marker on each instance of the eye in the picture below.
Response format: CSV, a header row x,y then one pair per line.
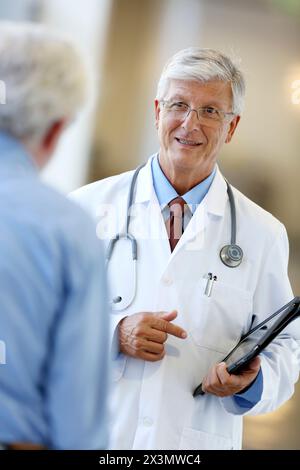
x,y
178,106
209,111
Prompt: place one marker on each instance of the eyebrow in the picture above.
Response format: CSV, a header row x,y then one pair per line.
x,y
184,100
177,98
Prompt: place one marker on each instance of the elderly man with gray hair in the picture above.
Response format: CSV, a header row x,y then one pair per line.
x,y
53,319
192,248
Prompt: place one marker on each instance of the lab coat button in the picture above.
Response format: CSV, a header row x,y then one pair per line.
x,y
147,422
167,281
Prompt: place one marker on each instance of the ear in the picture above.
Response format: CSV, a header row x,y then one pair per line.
x,y
52,136
232,127
157,112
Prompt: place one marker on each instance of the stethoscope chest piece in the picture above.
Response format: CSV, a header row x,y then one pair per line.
x,y
231,255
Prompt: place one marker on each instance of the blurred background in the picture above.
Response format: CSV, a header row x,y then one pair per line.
x,y
126,43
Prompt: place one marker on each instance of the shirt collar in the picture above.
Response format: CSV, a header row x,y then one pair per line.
x,y
215,200
165,191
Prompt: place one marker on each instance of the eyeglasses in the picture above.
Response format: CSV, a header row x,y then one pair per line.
x,y
207,115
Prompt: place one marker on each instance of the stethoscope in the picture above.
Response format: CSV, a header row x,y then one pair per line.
x,y
231,255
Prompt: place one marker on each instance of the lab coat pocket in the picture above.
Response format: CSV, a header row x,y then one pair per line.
x,y
218,321
193,439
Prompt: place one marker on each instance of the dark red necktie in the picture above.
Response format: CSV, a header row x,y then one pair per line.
x,y
174,223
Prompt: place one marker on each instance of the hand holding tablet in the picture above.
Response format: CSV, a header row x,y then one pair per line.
x,y
253,342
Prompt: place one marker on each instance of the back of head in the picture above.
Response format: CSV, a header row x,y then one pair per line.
x,y
44,78
203,65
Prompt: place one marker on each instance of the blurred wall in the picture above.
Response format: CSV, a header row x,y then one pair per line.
x,y
24,10
85,21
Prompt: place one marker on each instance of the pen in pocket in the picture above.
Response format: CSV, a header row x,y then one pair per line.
x,y
209,285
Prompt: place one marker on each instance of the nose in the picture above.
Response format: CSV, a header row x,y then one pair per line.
x,y
191,121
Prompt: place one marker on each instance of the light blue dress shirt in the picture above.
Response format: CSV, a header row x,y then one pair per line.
x,y
53,316
165,193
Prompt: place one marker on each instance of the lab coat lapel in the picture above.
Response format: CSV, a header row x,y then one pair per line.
x,y
144,185
142,194
146,201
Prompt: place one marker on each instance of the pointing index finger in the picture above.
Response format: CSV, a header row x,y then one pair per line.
x,y
169,328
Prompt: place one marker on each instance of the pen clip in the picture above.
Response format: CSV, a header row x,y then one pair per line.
x,y
209,285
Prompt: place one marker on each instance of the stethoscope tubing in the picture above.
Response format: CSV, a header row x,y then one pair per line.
x,y
231,255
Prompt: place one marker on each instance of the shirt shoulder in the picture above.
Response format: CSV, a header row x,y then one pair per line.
x,y
47,215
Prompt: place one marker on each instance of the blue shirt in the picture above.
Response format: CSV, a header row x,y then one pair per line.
x,y
53,317
165,193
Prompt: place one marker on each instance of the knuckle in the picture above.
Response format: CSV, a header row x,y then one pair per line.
x,y
163,326
159,340
144,316
137,344
138,330
168,329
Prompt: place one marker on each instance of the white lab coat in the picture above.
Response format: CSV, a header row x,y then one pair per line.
x,y
152,402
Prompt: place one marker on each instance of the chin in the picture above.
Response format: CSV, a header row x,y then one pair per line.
x,y
187,159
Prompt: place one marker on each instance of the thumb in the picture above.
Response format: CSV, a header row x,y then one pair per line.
x,y
168,316
254,364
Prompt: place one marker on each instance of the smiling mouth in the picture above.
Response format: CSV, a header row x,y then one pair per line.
x,y
192,143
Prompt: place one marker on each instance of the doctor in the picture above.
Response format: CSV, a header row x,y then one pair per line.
x,y
210,263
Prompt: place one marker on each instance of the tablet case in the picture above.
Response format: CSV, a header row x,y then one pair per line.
x,y
287,314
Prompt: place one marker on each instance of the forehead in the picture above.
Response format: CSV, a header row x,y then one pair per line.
x,y
200,93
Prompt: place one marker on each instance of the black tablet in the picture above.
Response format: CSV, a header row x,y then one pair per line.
x,y
253,342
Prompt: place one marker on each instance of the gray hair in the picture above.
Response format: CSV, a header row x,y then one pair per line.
x,y
44,77
204,65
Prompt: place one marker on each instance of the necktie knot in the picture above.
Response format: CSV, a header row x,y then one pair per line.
x,y
178,202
